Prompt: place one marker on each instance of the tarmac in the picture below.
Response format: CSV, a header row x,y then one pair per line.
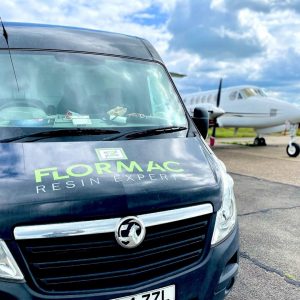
x,y
267,189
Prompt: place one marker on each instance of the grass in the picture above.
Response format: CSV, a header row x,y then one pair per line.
x,y
242,132
290,276
229,132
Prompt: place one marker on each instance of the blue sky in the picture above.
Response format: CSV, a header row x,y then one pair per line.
x,y
243,41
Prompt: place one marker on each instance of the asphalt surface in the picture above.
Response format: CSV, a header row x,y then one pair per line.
x,y
267,188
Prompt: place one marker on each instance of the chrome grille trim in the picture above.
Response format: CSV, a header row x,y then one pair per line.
x,y
107,225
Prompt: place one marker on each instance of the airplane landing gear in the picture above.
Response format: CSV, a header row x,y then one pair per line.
x,y
259,141
293,149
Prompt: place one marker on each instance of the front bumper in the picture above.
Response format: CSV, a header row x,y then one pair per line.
x,y
210,279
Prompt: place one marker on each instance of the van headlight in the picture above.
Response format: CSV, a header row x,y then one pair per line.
x,y
227,214
8,267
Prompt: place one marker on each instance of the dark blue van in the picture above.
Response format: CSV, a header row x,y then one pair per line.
x,y
107,188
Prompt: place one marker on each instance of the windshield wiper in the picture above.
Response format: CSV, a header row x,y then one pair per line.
x,y
148,132
60,132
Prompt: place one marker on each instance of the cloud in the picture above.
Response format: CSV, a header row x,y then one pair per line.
x,y
282,70
245,42
211,32
264,6
140,18
255,5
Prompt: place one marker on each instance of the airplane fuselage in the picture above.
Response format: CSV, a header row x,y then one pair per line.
x,y
249,106
245,106
258,112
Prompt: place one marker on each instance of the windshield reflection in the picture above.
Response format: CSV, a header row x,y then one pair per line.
x,y
69,90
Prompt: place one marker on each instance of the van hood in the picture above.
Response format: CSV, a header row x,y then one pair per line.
x,y
44,183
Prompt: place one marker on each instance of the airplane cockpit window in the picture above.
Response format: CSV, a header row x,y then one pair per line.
x,y
232,95
261,93
249,92
240,96
253,92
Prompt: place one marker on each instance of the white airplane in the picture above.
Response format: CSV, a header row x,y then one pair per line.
x,y
248,106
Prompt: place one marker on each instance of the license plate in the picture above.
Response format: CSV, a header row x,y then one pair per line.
x,y
165,293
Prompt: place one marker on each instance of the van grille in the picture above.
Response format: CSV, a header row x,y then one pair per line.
x,y
97,262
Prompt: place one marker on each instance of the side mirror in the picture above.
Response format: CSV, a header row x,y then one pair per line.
x,y
201,120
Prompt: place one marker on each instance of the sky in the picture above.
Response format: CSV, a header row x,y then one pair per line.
x,y
253,42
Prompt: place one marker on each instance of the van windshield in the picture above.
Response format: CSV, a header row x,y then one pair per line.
x,y
71,90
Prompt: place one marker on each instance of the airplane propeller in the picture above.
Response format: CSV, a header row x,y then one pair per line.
x,y
213,136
